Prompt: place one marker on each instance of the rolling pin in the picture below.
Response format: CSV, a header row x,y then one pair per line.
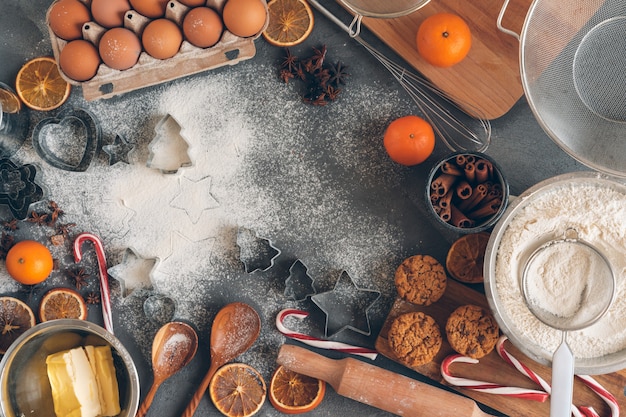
x,y
380,388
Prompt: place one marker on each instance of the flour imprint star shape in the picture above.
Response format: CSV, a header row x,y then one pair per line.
x,y
194,197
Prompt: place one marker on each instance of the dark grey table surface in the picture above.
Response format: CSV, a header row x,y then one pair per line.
x,y
372,186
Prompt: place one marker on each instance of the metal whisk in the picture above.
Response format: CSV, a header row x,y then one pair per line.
x,y
458,130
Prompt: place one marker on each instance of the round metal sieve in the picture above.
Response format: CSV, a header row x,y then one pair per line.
x,y
572,64
384,9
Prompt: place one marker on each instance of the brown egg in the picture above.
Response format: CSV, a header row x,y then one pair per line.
x,y
150,8
192,3
109,13
161,38
79,60
202,27
244,17
67,17
119,48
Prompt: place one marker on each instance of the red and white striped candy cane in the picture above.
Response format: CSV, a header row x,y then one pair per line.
x,y
102,268
315,342
606,396
486,387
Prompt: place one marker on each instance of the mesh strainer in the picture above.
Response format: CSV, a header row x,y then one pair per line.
x,y
384,9
572,60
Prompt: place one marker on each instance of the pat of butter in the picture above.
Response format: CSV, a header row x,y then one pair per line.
x,y
83,382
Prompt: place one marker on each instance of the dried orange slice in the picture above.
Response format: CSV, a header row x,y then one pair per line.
x,y
15,318
290,22
62,303
466,257
9,101
40,86
237,390
294,393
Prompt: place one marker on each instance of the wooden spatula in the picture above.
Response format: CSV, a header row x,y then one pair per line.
x,y
378,387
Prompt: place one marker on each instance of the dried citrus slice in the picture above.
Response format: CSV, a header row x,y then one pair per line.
x,y
15,318
237,390
293,393
62,303
290,22
9,101
466,257
40,86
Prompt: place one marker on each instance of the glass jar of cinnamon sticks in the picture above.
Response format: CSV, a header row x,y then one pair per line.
x,y
466,192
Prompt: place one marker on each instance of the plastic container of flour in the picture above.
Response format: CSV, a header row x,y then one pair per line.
x,y
594,205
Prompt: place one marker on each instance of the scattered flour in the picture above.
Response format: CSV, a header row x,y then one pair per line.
x,y
596,209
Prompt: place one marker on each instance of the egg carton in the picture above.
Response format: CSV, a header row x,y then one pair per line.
x,y
148,71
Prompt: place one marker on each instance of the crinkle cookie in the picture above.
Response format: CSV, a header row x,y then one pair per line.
x,y
472,331
421,280
414,338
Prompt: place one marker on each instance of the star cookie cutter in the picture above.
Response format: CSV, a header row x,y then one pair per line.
x,y
256,253
168,149
74,143
134,272
118,150
299,284
346,306
18,189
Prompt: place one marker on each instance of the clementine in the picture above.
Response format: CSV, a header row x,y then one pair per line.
x,y
443,39
29,262
409,140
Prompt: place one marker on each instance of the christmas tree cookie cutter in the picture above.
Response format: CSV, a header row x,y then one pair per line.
x,y
169,148
299,284
18,188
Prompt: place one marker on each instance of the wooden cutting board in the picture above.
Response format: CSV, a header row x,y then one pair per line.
x,y
488,78
492,368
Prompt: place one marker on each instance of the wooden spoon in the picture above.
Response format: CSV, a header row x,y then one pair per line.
x,y
235,328
174,345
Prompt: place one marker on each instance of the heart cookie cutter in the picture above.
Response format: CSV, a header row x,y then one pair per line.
x,y
81,123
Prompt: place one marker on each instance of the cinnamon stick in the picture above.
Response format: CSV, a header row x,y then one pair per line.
x,y
452,169
483,170
458,219
442,184
486,210
478,194
463,190
470,172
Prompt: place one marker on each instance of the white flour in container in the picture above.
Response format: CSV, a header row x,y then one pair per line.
x,y
598,213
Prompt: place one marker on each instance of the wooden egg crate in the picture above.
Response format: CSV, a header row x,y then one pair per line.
x,y
148,71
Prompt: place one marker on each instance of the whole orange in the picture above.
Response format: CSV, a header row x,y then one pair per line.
x,y
29,262
409,140
443,39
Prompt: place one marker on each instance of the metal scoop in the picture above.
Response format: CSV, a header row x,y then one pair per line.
x,y
567,300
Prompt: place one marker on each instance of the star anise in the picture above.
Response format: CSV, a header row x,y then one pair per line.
x,y
6,241
93,298
64,229
332,92
290,61
338,74
56,213
318,57
11,225
79,276
40,219
286,75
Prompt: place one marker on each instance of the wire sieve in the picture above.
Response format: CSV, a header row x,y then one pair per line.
x,y
567,300
572,62
457,130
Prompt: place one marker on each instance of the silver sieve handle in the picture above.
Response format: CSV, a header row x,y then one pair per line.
x,y
499,22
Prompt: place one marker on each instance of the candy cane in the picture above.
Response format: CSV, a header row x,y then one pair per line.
x,y
102,268
315,342
486,387
582,411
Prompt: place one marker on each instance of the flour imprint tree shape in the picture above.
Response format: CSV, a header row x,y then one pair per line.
x,y
168,149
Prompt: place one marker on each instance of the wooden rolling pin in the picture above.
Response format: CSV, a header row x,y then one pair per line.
x,y
378,387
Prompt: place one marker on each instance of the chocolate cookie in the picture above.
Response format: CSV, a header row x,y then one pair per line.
x,y
421,280
414,338
472,331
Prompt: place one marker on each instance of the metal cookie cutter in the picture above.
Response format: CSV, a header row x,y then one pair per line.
x,y
299,284
118,151
256,253
71,151
18,189
168,149
133,272
346,306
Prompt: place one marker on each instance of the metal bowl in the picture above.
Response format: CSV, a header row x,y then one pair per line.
x,y
384,9
24,387
517,322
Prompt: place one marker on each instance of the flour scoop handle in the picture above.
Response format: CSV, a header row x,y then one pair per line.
x,y
378,387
